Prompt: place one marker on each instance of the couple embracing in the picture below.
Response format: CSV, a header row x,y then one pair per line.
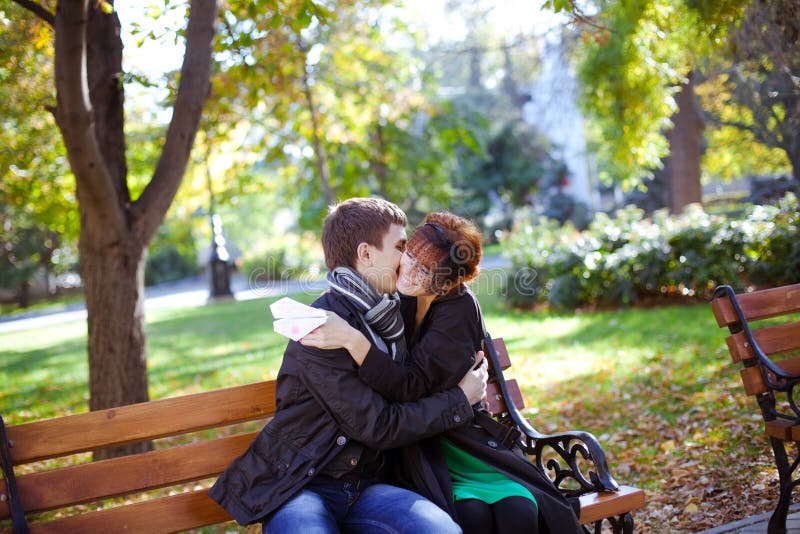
x,y
379,424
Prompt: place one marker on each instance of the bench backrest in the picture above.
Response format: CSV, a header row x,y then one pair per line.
x,y
494,395
768,353
42,489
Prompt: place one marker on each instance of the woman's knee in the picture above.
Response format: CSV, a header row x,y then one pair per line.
x,y
515,514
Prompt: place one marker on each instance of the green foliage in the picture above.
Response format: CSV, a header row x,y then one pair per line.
x,y
630,65
514,164
284,257
332,106
37,206
173,253
630,258
778,253
762,82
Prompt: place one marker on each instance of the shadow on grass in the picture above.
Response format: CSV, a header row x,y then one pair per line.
x,y
34,401
20,362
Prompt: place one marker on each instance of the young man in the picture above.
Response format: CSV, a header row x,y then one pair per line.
x,y
314,467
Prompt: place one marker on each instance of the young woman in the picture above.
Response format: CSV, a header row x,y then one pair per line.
x,y
486,485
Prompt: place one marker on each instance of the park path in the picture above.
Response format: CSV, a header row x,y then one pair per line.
x,y
186,293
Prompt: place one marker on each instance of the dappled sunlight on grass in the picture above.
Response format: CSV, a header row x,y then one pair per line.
x,y
45,372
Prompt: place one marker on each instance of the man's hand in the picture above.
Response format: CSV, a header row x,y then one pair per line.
x,y
474,382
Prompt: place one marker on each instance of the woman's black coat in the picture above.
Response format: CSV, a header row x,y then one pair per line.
x,y
443,350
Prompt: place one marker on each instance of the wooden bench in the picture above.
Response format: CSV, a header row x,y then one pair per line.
x,y
770,362
165,490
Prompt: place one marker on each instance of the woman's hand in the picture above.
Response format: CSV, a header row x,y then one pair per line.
x,y
474,382
336,333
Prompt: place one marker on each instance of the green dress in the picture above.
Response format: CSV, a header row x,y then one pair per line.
x,y
474,479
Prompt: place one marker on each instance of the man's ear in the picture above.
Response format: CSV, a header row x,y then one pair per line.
x,y
363,254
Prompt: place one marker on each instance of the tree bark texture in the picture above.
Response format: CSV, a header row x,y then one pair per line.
x,y
682,167
378,160
321,155
113,281
115,232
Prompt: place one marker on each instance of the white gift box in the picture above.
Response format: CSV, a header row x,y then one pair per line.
x,y
295,319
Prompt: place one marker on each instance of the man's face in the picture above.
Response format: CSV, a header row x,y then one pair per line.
x,y
384,265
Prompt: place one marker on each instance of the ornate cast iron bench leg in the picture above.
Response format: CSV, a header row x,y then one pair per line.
x,y
777,523
622,524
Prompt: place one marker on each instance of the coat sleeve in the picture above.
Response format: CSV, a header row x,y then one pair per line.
x,y
362,413
439,360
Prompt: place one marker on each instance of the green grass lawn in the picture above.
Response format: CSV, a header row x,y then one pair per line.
x,y
655,385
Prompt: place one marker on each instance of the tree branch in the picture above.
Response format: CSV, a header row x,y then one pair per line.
x,y
38,10
96,192
758,133
582,18
149,209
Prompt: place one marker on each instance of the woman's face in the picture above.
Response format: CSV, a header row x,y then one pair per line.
x,y
415,279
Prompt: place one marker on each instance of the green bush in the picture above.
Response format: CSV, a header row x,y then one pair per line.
x,y
172,254
631,258
289,256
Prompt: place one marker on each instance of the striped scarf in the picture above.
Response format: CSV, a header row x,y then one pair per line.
x,y
381,313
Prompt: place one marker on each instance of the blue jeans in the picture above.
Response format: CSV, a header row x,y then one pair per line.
x,y
328,505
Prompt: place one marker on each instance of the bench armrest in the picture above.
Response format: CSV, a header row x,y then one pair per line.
x,y
574,459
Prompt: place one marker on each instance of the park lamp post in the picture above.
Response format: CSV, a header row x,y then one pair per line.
x,y
219,262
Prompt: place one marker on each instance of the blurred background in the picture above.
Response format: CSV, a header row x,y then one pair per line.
x,y
541,122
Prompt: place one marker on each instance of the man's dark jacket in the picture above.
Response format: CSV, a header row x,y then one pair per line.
x,y
321,406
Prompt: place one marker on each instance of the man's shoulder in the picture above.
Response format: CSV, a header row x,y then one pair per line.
x,y
335,302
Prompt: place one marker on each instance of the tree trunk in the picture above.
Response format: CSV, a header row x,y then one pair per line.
x,y
104,70
379,159
794,159
682,167
115,231
113,280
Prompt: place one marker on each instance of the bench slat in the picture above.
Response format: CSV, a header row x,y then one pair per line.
x,y
89,482
782,429
753,381
497,404
772,340
502,354
138,422
770,302
167,514
596,506
723,311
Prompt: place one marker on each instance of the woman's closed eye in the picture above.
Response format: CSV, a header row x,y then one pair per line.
x,y
417,267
